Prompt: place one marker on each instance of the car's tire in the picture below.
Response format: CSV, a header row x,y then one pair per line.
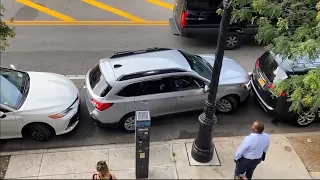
x,y
228,104
232,41
39,132
127,123
305,119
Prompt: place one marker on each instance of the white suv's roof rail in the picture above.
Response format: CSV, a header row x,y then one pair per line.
x,y
129,53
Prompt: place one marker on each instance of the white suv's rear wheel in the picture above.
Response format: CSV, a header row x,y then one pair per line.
x,y
127,123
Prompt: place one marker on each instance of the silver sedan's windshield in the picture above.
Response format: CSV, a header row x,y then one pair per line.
x,y
198,64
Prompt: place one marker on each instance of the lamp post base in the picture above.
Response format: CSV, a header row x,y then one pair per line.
x,y
203,147
202,155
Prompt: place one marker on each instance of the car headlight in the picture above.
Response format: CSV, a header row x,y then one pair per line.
x,y
60,115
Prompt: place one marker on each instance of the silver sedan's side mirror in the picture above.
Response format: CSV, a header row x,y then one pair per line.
x,y
206,89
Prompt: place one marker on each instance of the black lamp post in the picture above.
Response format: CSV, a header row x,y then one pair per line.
x,y
203,147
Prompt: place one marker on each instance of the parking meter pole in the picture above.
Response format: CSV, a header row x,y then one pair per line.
x,y
203,147
143,123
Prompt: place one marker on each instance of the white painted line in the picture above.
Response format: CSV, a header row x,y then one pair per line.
x,y
80,77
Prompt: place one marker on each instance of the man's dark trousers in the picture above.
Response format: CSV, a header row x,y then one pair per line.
x,y
246,166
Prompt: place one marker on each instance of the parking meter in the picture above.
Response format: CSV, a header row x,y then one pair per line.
x,y
143,123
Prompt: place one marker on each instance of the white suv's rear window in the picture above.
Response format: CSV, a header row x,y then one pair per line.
x,y
98,83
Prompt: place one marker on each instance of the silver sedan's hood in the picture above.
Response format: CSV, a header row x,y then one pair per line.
x,y
49,92
231,73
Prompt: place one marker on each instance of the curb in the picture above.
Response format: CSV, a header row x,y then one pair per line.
x,y
179,141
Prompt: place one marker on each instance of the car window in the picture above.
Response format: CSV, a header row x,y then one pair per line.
x,y
158,86
184,83
198,64
271,69
98,83
203,5
135,89
12,87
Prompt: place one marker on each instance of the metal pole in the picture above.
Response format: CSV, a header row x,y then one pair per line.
x,y
203,147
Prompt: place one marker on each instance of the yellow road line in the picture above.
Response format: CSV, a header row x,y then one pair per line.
x,y
87,23
113,10
162,4
45,10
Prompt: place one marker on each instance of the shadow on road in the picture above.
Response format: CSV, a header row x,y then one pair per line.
x,y
212,42
179,126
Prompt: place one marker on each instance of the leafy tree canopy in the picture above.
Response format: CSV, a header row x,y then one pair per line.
x,y
5,31
291,28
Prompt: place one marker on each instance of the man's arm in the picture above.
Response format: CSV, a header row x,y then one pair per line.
x,y
242,149
265,150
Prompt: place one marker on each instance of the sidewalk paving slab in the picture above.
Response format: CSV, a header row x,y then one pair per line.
x,y
281,162
315,175
168,160
165,172
27,165
71,162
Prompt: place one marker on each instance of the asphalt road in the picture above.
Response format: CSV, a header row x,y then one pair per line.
x,y
73,49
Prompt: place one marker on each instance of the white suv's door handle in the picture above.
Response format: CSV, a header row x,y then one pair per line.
x,y
180,97
144,102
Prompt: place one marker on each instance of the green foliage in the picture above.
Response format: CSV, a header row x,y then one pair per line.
x,y
5,31
290,28
278,23
305,91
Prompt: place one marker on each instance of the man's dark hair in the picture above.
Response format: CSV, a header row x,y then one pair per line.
x,y
260,126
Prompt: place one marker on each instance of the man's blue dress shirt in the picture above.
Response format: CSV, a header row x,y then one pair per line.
x,y
253,146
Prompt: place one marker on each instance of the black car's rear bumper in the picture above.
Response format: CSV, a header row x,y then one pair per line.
x,y
192,31
281,109
205,31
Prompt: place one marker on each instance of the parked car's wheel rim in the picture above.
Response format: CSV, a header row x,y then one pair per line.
x,y
232,41
129,124
306,118
224,105
36,133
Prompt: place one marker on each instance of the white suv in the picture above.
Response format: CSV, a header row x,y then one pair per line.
x,y
163,81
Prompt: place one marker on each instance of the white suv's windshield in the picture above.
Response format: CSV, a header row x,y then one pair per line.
x,y
14,87
199,65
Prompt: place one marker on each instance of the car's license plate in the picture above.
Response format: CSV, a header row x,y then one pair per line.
x,y
262,82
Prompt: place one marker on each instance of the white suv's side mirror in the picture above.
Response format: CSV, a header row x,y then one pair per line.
x,y
206,89
13,67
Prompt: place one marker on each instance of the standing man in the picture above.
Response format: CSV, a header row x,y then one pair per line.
x,y
251,152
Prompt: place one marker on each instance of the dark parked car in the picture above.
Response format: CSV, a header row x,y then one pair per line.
x,y
270,69
198,19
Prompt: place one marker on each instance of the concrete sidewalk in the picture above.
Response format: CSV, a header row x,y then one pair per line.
x,y
168,160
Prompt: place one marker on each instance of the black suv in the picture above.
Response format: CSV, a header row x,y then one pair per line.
x,y
270,69
198,19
